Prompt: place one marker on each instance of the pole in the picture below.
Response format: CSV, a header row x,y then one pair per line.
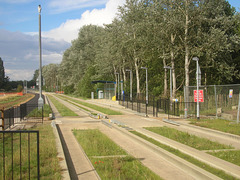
x,y
171,84
118,87
130,85
40,100
146,86
197,92
238,108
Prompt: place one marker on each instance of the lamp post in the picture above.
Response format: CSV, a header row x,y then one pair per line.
x,y
146,84
197,78
117,84
170,68
129,70
40,100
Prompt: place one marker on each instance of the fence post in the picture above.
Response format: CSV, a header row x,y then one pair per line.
x,y
132,103
153,105
215,92
127,100
2,117
42,114
146,108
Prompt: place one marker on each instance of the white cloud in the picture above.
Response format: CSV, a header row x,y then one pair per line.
x,y
68,31
60,6
19,74
20,53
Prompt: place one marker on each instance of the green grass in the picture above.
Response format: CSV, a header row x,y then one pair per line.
x,y
10,99
15,100
116,164
188,139
230,156
186,157
63,110
49,163
38,113
76,96
97,143
94,107
218,124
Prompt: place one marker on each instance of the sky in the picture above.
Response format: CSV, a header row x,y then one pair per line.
x,y
60,23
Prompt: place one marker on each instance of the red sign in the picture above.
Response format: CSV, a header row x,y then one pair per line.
x,y
200,96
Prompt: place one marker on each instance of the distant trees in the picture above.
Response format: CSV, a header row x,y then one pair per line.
x,y
2,73
155,34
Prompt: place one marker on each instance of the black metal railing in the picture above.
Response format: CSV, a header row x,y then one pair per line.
x,y
156,106
17,114
19,155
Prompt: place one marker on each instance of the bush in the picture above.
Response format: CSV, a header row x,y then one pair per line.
x,y
19,88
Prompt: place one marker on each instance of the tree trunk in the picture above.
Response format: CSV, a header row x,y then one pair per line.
x,y
165,79
137,76
173,68
187,62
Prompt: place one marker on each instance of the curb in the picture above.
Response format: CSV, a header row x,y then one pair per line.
x,y
63,164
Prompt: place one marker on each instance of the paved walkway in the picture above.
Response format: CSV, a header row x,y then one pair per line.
x,y
162,163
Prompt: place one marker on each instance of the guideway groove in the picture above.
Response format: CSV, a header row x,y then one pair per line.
x,y
149,153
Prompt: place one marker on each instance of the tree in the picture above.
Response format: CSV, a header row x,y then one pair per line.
x,y
2,73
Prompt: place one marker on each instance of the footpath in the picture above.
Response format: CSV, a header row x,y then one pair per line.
x,y
163,163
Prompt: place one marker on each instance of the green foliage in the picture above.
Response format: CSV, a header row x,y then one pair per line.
x,y
19,88
69,89
154,34
85,87
2,73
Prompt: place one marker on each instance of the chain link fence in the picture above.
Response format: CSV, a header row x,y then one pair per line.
x,y
217,101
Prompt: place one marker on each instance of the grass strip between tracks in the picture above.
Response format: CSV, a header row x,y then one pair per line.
x,y
109,160
232,156
218,124
188,139
92,106
63,110
187,157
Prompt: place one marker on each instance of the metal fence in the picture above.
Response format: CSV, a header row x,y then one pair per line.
x,y
19,155
157,106
18,114
220,101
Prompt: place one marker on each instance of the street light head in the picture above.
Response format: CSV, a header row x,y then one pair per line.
x,y
167,67
129,70
39,8
116,73
143,68
195,58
